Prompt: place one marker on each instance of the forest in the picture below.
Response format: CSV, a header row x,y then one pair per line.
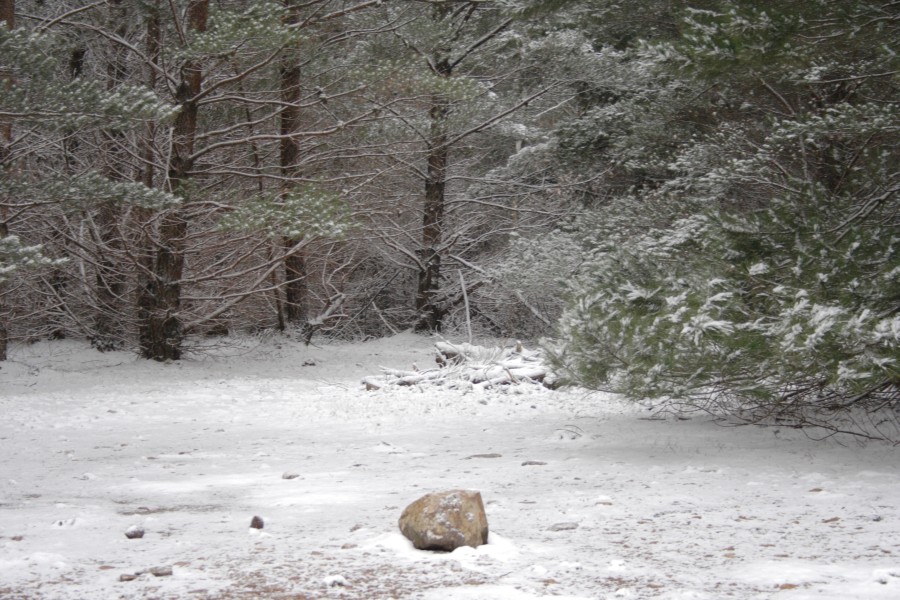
x,y
690,201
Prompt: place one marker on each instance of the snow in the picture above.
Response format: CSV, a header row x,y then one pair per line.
x,y
94,444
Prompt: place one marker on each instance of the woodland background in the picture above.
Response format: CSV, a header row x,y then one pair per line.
x,y
696,201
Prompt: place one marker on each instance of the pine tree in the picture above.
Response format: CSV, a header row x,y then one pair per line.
x,y
52,106
764,282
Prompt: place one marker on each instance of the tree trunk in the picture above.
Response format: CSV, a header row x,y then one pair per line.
x,y
143,218
110,282
159,305
8,16
296,291
430,314
153,43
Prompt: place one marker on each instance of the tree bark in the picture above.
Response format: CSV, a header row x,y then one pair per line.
x,y
430,314
143,217
110,282
8,16
295,286
161,327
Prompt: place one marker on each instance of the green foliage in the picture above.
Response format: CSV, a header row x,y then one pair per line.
x,y
260,27
306,212
795,300
758,306
740,36
33,95
757,268
83,192
14,256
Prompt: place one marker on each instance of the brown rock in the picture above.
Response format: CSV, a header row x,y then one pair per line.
x,y
257,522
164,571
446,521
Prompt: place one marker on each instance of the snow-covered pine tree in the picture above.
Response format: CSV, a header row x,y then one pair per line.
x,y
756,272
45,108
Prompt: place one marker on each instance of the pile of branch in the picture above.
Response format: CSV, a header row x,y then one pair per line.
x,y
466,366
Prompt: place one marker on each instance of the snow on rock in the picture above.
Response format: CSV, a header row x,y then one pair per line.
x,y
446,521
335,581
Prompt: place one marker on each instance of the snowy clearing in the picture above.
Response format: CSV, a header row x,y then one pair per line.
x,y
586,497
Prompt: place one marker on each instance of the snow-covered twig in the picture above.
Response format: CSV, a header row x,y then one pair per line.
x,y
471,366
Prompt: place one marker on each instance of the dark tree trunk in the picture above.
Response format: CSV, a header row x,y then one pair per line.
x,y
295,287
430,314
110,282
153,42
159,304
143,218
8,16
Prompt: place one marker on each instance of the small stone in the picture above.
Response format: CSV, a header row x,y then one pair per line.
x,y
128,576
257,522
134,532
165,571
563,527
533,463
491,455
348,546
309,363
290,475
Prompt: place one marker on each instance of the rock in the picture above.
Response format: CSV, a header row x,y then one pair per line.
x,y
161,571
491,455
533,463
563,527
290,475
257,522
445,521
134,532
129,576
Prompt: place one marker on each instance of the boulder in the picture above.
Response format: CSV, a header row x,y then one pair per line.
x,y
446,521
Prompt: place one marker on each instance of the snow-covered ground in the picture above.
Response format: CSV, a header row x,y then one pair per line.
x,y
586,497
